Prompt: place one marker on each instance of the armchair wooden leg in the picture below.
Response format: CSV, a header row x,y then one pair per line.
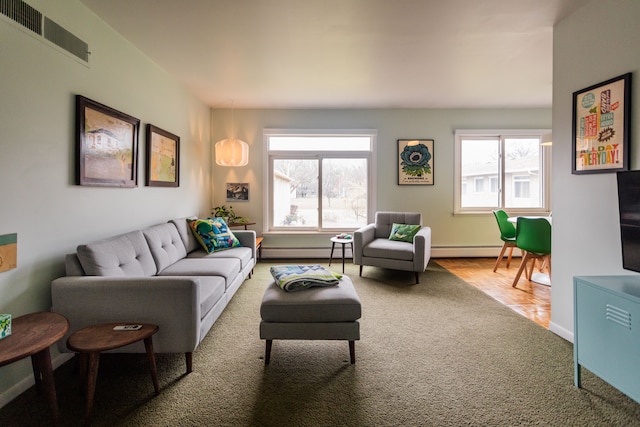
x,y
361,271
417,278
189,360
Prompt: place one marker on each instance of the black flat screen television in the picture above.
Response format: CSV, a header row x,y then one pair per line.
x,y
629,208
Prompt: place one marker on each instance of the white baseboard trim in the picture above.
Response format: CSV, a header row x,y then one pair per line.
x,y
561,332
27,382
436,252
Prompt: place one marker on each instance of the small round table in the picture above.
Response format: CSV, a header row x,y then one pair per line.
x,y
32,335
343,242
90,341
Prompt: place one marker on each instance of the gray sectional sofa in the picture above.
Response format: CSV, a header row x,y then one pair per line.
x,y
158,275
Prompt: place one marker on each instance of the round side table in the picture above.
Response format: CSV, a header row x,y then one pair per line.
x,y
90,341
32,335
343,242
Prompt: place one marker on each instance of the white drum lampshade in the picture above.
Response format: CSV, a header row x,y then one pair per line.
x,y
232,152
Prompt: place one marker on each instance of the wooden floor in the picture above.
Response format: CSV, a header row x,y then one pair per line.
x,y
530,299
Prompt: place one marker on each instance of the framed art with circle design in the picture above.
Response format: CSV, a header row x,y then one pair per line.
x,y
415,161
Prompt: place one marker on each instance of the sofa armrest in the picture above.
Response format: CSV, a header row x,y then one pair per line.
x,y
247,239
422,249
361,238
172,303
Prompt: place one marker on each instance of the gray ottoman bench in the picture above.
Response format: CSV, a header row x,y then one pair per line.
x,y
321,313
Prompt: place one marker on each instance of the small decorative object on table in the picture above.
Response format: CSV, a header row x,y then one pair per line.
x,y
344,236
5,325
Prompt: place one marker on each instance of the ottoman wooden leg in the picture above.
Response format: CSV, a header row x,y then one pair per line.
x,y
352,351
267,352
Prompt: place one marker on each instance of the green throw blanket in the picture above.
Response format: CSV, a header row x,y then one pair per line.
x,y
297,277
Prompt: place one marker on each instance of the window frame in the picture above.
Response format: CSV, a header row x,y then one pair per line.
x,y
502,135
272,155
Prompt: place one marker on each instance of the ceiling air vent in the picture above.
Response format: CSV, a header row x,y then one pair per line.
x,y
64,39
23,14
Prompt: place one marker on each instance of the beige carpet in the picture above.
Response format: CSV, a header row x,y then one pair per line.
x,y
441,353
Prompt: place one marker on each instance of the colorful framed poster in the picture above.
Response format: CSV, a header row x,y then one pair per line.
x,y
163,158
415,162
106,145
237,191
601,120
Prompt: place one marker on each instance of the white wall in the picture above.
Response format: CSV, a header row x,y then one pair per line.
x,y
39,200
598,42
449,232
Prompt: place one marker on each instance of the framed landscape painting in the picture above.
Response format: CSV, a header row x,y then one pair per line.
x,y
415,162
106,145
601,120
163,158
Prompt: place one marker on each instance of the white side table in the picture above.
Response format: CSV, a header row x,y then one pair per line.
x,y
343,242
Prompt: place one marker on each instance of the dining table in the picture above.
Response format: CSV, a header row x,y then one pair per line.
x,y
539,277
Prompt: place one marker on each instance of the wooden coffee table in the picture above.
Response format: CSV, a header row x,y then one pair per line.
x,y
32,335
90,341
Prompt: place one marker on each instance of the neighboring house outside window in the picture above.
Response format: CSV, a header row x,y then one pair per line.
x,y
506,169
319,180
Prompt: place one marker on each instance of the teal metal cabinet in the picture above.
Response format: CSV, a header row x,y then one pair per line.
x,y
607,330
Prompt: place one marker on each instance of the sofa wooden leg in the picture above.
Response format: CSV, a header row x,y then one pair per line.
x,y
352,351
189,359
360,271
417,278
267,352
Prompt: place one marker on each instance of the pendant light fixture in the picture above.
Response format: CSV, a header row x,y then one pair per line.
x,y
231,151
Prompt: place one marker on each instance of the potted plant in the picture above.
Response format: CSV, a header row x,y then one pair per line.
x,y
228,215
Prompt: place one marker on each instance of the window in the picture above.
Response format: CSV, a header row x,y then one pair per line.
x,y
319,180
506,170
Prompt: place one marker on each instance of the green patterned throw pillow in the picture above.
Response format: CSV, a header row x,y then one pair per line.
x,y
404,232
213,234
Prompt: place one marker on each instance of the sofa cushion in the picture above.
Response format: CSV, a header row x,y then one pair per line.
x,y
245,255
124,255
210,291
228,268
390,249
190,242
165,244
404,232
384,221
213,234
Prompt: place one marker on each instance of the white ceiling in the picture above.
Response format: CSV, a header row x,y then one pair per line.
x,y
349,53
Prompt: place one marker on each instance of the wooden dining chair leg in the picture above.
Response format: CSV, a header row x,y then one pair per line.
x,y
504,248
510,255
523,266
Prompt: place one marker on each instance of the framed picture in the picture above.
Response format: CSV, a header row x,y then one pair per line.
x,y
237,191
601,117
106,145
163,158
415,162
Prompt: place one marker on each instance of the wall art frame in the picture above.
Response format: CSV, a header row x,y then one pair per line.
x,y
106,145
415,162
601,127
237,191
162,158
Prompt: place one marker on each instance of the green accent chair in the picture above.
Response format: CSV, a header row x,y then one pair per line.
x,y
507,235
533,237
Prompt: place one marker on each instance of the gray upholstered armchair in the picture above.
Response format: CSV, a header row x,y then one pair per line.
x,y
372,246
